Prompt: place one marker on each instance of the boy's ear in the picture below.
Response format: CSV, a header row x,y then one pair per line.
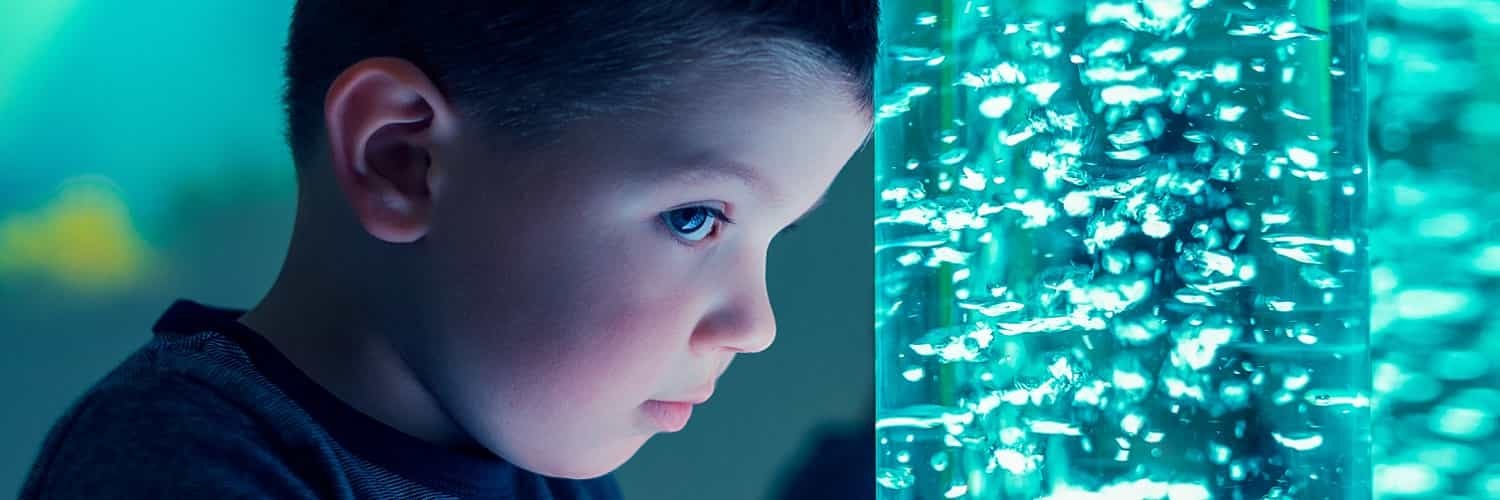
x,y
384,118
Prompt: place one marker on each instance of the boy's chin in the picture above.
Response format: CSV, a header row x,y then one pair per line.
x,y
587,465
582,475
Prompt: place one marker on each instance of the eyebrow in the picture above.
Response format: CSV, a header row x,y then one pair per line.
x,y
712,167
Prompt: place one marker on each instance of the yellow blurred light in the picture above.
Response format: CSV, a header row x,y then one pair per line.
x,y
83,238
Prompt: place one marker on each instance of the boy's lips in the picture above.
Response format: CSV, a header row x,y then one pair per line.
x,y
669,416
696,397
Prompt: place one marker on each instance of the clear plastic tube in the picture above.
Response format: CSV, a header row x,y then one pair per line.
x,y
1120,250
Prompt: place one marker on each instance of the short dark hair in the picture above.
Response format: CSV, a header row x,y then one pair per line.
x,y
528,68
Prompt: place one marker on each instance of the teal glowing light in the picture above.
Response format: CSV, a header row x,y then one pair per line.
x,y
1121,251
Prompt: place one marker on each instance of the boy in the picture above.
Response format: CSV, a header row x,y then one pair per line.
x,y
530,235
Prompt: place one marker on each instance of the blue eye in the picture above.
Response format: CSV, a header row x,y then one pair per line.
x,y
694,223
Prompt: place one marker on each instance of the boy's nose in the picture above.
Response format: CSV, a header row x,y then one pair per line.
x,y
753,332
756,341
746,324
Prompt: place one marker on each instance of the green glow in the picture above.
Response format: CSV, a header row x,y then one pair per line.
x,y
25,32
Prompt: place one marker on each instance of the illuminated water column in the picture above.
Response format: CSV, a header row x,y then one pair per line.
x,y
1120,250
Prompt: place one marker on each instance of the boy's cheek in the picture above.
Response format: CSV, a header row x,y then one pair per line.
x,y
574,420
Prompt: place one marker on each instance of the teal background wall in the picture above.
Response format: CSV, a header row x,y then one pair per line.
x,y
141,160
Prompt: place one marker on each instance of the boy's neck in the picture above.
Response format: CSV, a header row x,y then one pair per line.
x,y
343,349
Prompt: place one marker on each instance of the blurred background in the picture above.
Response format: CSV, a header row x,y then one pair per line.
x,y
1435,247
141,160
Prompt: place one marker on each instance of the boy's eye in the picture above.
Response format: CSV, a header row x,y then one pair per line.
x,y
693,223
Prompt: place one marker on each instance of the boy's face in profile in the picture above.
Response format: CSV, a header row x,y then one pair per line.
x,y
559,304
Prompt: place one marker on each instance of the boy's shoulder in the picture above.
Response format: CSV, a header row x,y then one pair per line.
x,y
208,407
179,417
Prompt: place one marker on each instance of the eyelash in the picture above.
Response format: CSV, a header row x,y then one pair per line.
x,y
718,216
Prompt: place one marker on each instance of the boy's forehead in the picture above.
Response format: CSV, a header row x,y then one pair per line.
x,y
711,166
764,139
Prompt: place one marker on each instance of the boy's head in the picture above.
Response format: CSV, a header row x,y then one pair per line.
x,y
531,202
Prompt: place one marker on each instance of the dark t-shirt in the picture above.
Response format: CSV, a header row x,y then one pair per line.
x,y
210,409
